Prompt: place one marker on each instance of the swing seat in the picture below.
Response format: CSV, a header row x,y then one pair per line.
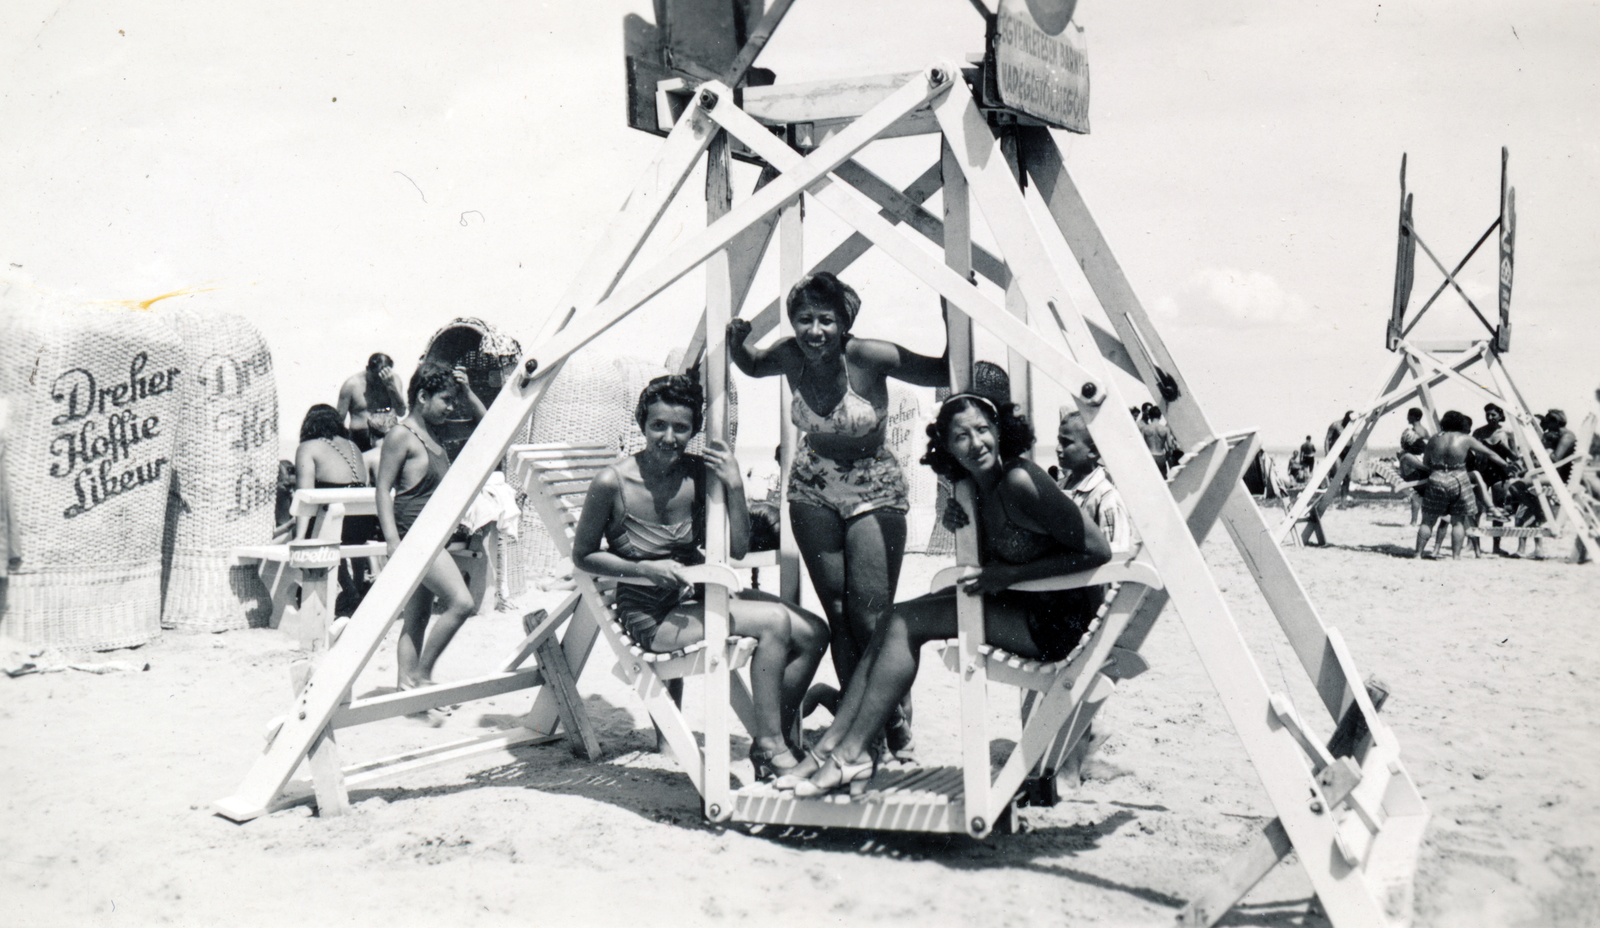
x,y
556,477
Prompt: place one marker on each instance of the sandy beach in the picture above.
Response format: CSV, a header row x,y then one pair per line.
x,y
109,780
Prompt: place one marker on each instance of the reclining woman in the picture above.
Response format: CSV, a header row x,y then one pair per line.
x,y
847,497
650,510
1029,530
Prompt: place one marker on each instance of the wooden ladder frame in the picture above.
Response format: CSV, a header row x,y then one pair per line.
x,y
1356,837
1419,368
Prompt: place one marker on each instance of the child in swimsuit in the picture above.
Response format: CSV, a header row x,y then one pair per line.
x,y
649,510
1029,530
412,466
847,496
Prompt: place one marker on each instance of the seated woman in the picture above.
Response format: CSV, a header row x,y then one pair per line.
x,y
328,458
650,510
1029,530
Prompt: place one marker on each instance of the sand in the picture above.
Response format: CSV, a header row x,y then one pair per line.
x,y
108,780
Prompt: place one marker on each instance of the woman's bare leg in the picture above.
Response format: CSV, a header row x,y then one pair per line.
x,y
418,655
789,646
890,667
819,533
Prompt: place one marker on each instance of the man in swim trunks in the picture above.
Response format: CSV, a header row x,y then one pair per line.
x,y
1449,490
374,400
412,466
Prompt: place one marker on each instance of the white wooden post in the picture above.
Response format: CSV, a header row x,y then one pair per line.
x,y
719,307
791,267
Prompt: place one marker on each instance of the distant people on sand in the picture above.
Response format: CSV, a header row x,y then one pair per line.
x,y
412,466
1158,438
847,496
1559,441
1413,442
1503,442
1450,489
328,459
1336,429
1303,461
374,399
1029,528
645,517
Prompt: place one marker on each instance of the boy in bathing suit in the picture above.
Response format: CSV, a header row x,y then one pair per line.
x,y
1449,490
412,466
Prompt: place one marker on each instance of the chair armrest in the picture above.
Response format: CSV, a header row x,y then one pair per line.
x,y
1126,569
1122,570
949,577
718,574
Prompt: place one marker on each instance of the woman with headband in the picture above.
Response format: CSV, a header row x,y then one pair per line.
x,y
1028,530
847,496
649,510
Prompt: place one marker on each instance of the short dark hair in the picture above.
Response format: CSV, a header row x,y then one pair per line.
x,y
1454,421
431,378
824,289
322,421
673,390
1413,414
1150,412
1494,408
1074,415
379,361
1016,435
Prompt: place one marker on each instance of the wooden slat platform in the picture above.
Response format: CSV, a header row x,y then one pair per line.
x,y
900,799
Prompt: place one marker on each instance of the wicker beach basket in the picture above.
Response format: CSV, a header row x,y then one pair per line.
x,y
93,415
225,472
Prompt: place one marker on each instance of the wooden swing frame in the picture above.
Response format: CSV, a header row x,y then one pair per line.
x,y
1422,365
1353,815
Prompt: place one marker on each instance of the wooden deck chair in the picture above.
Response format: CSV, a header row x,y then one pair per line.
x,y
556,478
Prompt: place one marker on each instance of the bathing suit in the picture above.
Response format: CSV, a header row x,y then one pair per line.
x,y
1449,492
854,416
408,503
849,488
362,437
1056,619
640,608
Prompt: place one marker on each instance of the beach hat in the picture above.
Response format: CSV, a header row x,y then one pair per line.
x,y
1556,416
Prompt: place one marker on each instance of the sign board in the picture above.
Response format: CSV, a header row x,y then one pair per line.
x,y
1043,75
1508,236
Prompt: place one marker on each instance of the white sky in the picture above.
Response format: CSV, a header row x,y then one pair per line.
x,y
1243,165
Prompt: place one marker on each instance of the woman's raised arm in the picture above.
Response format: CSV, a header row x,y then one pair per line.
x,y
902,363
760,362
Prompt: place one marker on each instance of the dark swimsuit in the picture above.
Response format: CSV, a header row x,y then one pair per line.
x,y
641,608
408,503
1056,619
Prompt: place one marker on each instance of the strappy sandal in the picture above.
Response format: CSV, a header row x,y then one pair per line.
x,y
794,776
853,777
765,769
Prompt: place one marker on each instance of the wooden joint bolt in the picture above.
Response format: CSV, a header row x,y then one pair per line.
x,y
528,367
1091,394
708,100
936,76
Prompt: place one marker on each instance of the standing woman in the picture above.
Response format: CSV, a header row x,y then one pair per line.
x,y
328,458
649,509
412,466
847,496
1028,529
